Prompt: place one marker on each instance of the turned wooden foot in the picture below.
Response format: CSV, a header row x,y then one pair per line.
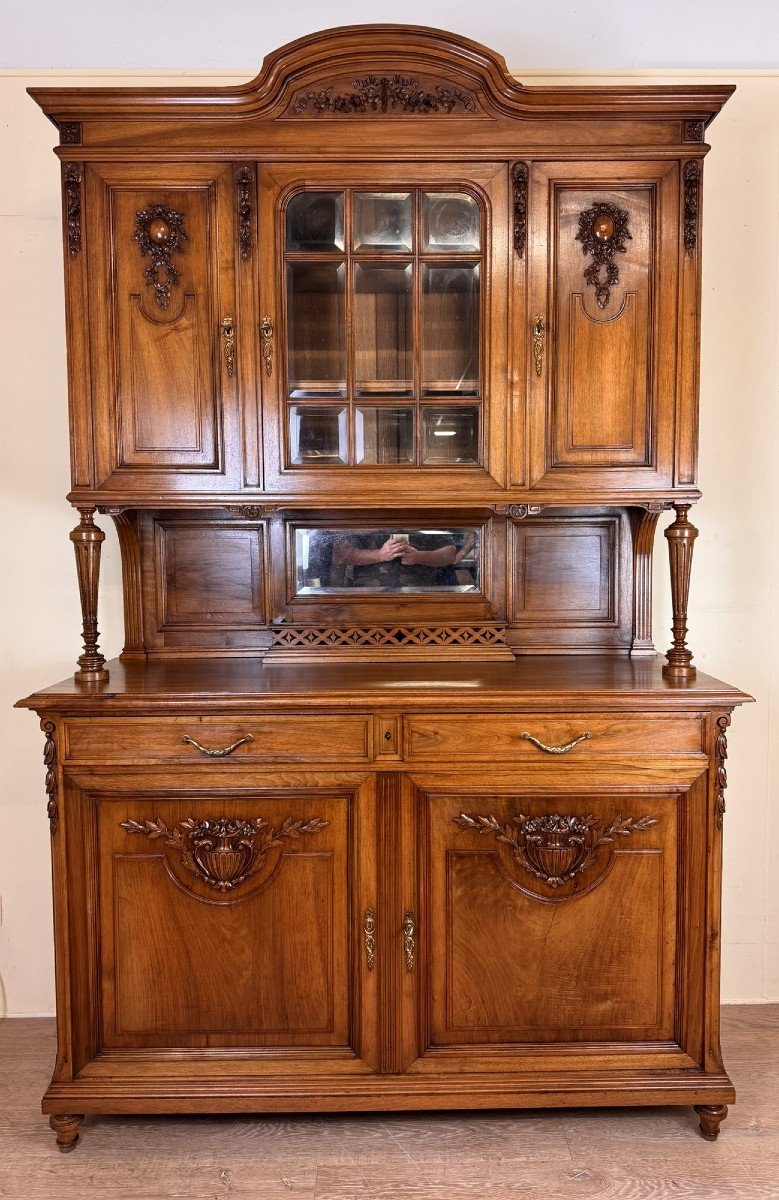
x,y
66,1129
712,1116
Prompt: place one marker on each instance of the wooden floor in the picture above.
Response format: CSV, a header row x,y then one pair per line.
x,y
620,1154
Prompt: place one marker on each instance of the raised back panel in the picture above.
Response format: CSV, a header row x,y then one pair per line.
x,y
209,573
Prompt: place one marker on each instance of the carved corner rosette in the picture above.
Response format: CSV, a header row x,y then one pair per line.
x,y
50,763
385,94
244,181
520,177
720,774
71,183
160,233
555,848
223,852
603,232
694,131
692,176
70,133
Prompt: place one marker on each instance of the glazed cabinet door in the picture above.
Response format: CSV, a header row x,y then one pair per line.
x,y
162,250
552,919
228,915
601,325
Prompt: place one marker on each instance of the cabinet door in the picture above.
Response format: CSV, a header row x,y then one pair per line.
x,y
162,270
555,919
226,915
602,324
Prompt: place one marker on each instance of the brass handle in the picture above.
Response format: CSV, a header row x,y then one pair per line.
x,y
528,737
369,929
266,333
539,333
219,753
228,338
409,930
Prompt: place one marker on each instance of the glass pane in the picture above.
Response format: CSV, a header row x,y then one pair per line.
x,y
382,329
450,221
450,435
450,329
386,560
317,435
316,359
315,221
384,435
382,221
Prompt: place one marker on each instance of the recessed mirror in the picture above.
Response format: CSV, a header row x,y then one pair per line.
x,y
395,559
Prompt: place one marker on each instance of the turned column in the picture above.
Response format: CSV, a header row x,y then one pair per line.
x,y
87,539
681,539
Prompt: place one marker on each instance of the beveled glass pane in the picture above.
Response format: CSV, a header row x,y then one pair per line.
x,y
384,435
450,222
316,358
315,221
450,435
387,560
382,329
317,435
450,329
382,221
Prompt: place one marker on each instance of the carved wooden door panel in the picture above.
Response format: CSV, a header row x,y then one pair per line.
x,y
230,915
554,918
165,367
601,324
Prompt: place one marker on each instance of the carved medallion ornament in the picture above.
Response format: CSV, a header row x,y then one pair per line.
x,y
519,184
225,851
71,181
555,848
603,231
50,763
385,94
159,231
692,188
721,775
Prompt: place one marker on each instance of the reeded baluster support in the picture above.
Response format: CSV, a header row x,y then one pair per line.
x,y
87,540
681,540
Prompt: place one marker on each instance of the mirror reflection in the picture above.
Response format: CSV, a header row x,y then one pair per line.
x,y
386,560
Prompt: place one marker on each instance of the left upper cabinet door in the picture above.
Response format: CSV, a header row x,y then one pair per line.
x,y
162,280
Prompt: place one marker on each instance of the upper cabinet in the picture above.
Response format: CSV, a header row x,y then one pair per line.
x,y
602,319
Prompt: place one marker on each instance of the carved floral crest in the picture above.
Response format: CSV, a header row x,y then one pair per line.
x,y
160,233
224,851
603,231
555,847
385,94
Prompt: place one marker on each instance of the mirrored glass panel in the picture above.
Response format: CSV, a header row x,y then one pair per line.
x,y
450,223
396,560
317,435
382,329
450,435
315,222
450,329
384,436
382,221
316,358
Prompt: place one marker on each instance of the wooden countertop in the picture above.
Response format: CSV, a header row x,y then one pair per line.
x,y
595,682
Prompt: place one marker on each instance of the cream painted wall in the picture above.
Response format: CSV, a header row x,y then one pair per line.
x,y
734,605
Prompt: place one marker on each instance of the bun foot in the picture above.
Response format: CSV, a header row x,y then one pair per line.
x,y
712,1116
66,1129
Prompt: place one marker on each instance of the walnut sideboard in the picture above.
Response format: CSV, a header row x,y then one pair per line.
x,y
385,368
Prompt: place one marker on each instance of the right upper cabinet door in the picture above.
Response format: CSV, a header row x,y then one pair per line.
x,y
602,324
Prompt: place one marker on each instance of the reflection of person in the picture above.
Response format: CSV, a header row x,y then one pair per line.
x,y
380,558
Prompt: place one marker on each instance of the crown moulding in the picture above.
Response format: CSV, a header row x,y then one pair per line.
x,y
327,59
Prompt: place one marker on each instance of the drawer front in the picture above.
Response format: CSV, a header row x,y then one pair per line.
x,y
214,739
575,737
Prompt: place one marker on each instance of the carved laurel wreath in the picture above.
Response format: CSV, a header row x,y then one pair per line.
x,y
603,231
225,851
161,273
555,848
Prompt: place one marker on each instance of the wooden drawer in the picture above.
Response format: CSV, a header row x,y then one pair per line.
x,y
463,739
282,738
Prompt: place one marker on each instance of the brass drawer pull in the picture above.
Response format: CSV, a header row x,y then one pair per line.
x,y
219,753
528,737
409,930
369,929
